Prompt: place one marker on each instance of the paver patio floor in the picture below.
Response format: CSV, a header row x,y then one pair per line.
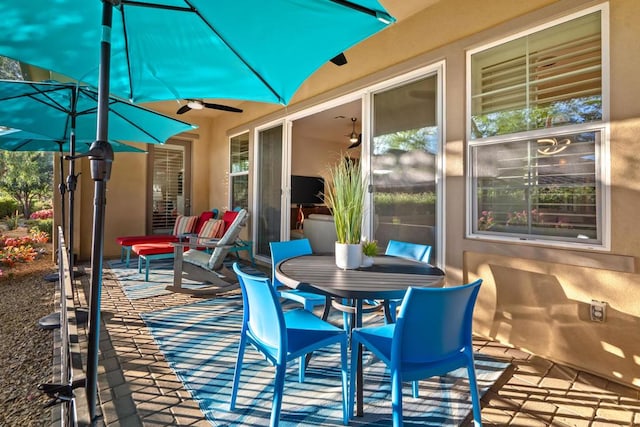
x,y
138,388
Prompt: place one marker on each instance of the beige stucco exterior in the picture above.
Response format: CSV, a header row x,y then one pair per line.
x,y
533,297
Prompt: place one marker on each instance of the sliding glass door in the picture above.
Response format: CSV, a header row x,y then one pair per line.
x,y
405,155
268,212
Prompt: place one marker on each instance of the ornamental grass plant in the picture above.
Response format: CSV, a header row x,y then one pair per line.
x,y
344,194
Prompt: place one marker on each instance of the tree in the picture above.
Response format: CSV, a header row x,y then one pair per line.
x,y
26,176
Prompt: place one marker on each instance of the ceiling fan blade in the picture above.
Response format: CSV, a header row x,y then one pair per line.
x,y
356,144
222,107
339,59
183,109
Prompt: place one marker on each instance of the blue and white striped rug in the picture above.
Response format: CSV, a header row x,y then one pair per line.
x,y
135,286
200,341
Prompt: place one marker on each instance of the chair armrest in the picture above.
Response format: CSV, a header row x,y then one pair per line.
x,y
209,243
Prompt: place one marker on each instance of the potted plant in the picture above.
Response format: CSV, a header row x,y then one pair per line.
x,y
344,194
369,250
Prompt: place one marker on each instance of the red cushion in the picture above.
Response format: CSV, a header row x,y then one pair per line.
x,y
228,218
154,248
204,217
153,238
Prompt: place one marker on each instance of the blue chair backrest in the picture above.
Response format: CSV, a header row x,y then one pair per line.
x,y
435,323
415,251
285,250
262,311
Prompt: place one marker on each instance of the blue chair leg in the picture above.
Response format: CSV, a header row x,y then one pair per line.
x,y
128,249
278,391
475,397
302,362
238,371
352,376
345,384
146,274
393,309
346,317
415,388
140,264
396,398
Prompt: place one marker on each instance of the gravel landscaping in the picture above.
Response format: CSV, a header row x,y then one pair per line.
x,y
26,351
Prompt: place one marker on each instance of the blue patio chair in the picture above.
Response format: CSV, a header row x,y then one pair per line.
x,y
282,337
432,336
284,250
414,251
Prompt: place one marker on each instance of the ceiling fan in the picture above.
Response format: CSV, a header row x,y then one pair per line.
x,y
196,104
354,138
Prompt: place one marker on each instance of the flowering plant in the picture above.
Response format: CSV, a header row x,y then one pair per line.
x,y
43,214
522,217
20,249
486,221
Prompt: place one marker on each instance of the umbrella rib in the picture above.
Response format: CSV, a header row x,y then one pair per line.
x,y
111,111
136,126
381,16
237,54
156,6
33,95
192,9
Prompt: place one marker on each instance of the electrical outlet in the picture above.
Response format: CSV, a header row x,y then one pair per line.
x,y
598,311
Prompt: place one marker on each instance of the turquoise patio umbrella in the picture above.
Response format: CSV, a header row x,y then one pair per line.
x,y
19,140
252,50
184,49
56,110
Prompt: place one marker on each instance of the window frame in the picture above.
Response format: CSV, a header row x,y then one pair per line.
x,y
602,166
233,175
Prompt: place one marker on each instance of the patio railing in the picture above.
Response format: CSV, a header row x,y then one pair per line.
x,y
68,390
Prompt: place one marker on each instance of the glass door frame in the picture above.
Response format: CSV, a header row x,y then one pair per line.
x,y
285,180
438,70
365,95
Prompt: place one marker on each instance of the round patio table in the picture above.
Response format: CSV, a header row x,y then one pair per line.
x,y
388,278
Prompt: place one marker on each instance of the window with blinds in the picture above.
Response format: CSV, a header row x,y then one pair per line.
x,y
536,135
546,79
239,167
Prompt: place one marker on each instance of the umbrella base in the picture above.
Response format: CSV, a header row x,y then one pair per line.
x,y
52,321
53,277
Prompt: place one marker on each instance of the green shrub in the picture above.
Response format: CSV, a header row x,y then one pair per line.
x,y
45,225
8,206
13,221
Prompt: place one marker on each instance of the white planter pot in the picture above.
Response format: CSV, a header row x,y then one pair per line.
x,y
348,256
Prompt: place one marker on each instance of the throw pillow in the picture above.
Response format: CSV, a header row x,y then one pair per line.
x,y
212,229
184,225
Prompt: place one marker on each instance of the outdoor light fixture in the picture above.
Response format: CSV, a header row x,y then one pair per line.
x,y
354,136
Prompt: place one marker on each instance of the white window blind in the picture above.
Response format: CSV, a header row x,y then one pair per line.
x,y
168,180
546,79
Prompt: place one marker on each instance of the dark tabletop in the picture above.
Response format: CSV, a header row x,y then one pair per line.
x,y
388,278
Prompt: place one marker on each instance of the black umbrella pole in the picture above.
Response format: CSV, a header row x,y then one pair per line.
x,y
100,173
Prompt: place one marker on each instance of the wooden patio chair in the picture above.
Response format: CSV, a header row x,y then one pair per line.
x,y
205,267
